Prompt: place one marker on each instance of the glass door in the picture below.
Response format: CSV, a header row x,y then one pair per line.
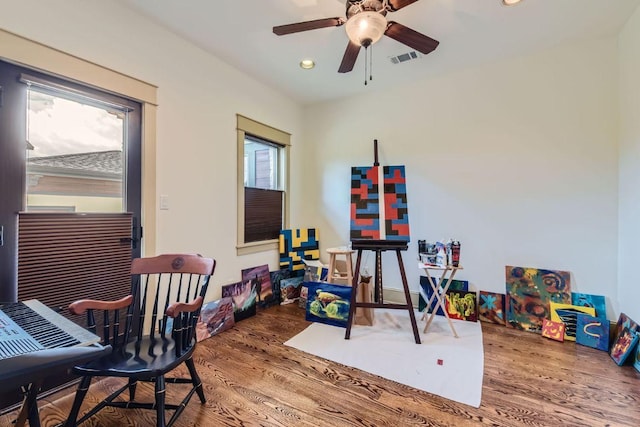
x,y
64,148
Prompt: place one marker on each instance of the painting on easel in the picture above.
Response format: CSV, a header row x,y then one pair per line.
x,y
379,202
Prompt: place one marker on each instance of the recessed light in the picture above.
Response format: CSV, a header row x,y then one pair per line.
x,y
307,64
510,2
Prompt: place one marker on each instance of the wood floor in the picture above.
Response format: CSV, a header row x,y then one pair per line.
x,y
252,379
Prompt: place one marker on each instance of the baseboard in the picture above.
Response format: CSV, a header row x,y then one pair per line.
x,y
395,295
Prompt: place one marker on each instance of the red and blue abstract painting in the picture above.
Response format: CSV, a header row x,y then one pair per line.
x,y
379,203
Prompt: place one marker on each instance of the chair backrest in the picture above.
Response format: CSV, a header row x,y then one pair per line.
x,y
157,284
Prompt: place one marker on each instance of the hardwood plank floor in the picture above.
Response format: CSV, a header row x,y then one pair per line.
x,y
252,379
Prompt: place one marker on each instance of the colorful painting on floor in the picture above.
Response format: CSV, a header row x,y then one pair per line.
x,y
567,314
592,331
328,303
588,300
244,296
636,360
426,292
262,280
624,345
553,330
379,212
624,322
315,271
491,307
276,277
462,305
297,245
215,317
529,292
290,289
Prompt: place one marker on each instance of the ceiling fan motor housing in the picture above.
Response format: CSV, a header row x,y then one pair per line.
x,y
357,6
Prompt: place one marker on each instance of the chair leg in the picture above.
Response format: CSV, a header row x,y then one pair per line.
x,y
132,389
77,401
197,384
160,392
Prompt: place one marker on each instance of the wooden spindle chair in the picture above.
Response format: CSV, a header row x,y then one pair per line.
x,y
158,334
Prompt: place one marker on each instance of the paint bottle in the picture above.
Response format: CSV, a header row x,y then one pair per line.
x,y
455,253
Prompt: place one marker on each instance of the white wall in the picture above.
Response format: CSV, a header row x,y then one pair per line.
x,y
629,233
517,159
199,97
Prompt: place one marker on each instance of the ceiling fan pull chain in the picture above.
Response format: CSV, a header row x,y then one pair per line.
x,y
371,64
366,53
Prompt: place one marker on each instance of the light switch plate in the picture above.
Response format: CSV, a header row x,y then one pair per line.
x,y
164,202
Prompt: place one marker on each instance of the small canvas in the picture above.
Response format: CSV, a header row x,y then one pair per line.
x,y
315,271
276,277
624,321
588,300
636,358
244,297
567,314
215,317
290,289
553,330
462,305
328,303
592,331
304,292
491,307
262,280
624,345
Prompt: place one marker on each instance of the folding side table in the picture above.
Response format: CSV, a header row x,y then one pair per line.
x,y
439,291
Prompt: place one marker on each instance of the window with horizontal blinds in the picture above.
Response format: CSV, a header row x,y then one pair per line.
x,y
65,257
263,183
262,214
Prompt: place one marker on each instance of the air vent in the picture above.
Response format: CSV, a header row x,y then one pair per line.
x,y
404,57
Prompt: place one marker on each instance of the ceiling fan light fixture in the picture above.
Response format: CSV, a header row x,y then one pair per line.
x,y
510,2
366,28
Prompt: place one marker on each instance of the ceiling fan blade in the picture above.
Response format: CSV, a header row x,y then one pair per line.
x,y
399,4
281,30
411,38
349,58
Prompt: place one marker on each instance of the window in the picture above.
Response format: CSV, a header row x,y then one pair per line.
x,y
75,151
263,183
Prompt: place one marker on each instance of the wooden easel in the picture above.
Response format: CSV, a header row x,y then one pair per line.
x,y
379,246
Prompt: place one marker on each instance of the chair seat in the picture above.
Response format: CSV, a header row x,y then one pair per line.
x,y
146,358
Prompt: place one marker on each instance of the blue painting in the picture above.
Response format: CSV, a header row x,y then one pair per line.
x,y
491,307
587,300
328,303
592,331
636,360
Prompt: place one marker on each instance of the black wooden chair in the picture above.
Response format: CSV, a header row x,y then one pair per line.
x,y
160,317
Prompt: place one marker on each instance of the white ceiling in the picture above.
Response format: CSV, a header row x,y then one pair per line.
x,y
470,32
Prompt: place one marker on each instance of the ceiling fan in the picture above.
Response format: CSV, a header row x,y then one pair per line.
x,y
366,23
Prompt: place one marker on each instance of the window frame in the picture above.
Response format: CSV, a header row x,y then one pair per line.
x,y
246,126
